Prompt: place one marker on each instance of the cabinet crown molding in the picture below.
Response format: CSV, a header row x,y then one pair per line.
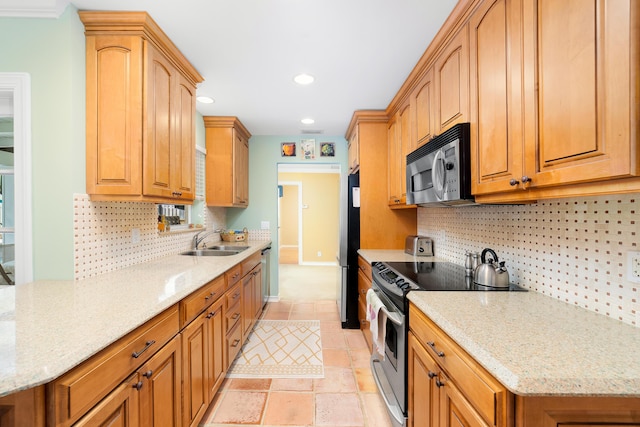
x,y
138,24
226,122
366,116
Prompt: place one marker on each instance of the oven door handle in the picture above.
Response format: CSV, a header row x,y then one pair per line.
x,y
391,316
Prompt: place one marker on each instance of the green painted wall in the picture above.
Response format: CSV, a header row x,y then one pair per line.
x,y
264,157
52,52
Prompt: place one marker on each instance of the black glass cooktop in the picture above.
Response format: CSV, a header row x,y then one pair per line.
x,y
437,276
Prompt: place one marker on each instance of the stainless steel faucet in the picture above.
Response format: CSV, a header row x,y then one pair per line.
x,y
199,237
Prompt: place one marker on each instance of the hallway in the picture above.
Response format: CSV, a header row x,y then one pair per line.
x,y
346,396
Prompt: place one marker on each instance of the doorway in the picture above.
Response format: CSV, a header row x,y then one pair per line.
x,y
308,230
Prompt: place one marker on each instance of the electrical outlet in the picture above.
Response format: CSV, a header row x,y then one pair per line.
x,y
135,235
633,266
319,253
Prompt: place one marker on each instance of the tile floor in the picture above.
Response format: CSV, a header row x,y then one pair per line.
x,y
346,396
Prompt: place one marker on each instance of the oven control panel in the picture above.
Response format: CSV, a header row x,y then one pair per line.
x,y
391,277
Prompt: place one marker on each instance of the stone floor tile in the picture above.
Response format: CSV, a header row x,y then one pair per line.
x,y
336,357
289,409
360,358
355,339
241,407
333,340
339,380
364,378
375,411
257,384
292,384
338,409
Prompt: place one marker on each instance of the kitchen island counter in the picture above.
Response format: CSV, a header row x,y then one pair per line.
x,y
49,327
538,346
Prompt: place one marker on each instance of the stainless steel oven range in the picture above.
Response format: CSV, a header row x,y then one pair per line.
x,y
392,281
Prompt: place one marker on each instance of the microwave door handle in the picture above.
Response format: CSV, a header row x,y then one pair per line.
x,y
438,172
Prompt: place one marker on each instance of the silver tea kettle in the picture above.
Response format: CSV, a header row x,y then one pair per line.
x,y
491,273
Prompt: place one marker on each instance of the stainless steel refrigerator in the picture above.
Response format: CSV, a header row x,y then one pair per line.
x,y
348,256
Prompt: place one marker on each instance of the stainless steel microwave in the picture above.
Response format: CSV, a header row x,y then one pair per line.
x,y
439,172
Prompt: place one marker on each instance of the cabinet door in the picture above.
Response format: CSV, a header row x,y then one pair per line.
x,y
216,346
114,115
159,129
183,158
423,109
407,145
354,152
580,80
257,292
119,408
452,82
161,391
496,142
240,170
455,410
194,371
247,305
422,393
393,142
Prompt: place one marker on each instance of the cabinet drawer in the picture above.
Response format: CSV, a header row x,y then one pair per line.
x,y
233,275
233,295
365,267
193,305
232,316
484,392
249,263
74,393
364,285
234,342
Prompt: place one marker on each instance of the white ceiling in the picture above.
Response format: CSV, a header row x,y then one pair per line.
x,y
360,52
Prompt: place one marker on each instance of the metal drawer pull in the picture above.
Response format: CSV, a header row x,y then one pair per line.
x,y
137,354
235,343
138,385
432,374
209,296
433,346
439,383
148,374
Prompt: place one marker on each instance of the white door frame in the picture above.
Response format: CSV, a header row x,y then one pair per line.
x,y
299,185
20,85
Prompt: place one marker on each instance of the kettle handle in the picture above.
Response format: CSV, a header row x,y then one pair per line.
x,y
491,251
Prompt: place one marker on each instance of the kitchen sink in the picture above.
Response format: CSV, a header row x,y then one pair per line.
x,y
228,248
210,252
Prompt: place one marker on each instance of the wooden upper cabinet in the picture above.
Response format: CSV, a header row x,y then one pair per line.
x,y
227,163
140,110
354,151
393,171
400,140
423,108
452,82
496,142
581,62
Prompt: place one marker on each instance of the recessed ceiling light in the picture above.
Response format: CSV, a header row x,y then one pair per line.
x,y
308,121
303,79
205,99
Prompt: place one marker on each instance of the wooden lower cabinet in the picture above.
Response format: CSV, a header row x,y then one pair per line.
x,y
251,299
23,409
203,361
119,408
544,411
364,284
160,382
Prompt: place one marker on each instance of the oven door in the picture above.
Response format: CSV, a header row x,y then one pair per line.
x,y
389,370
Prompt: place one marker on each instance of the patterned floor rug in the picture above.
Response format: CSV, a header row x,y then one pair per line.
x,y
281,349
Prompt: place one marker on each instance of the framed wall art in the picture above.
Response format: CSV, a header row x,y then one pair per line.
x,y
327,149
308,148
288,149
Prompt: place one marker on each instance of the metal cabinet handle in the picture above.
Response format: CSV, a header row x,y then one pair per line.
x,y
148,344
525,179
433,347
148,374
439,383
138,385
432,374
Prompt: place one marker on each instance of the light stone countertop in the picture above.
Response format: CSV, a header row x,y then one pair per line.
x,y
531,343
536,345
49,327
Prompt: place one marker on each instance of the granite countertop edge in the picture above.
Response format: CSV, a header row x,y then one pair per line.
x,y
47,327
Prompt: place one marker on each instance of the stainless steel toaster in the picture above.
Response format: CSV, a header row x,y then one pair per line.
x,y
418,246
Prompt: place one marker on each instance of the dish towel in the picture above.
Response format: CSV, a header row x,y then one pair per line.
x,y
377,321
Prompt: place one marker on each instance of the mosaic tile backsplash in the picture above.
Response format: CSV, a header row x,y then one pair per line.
x,y
103,237
574,250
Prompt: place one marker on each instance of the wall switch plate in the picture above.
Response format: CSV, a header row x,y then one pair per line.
x,y
633,266
319,253
135,235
